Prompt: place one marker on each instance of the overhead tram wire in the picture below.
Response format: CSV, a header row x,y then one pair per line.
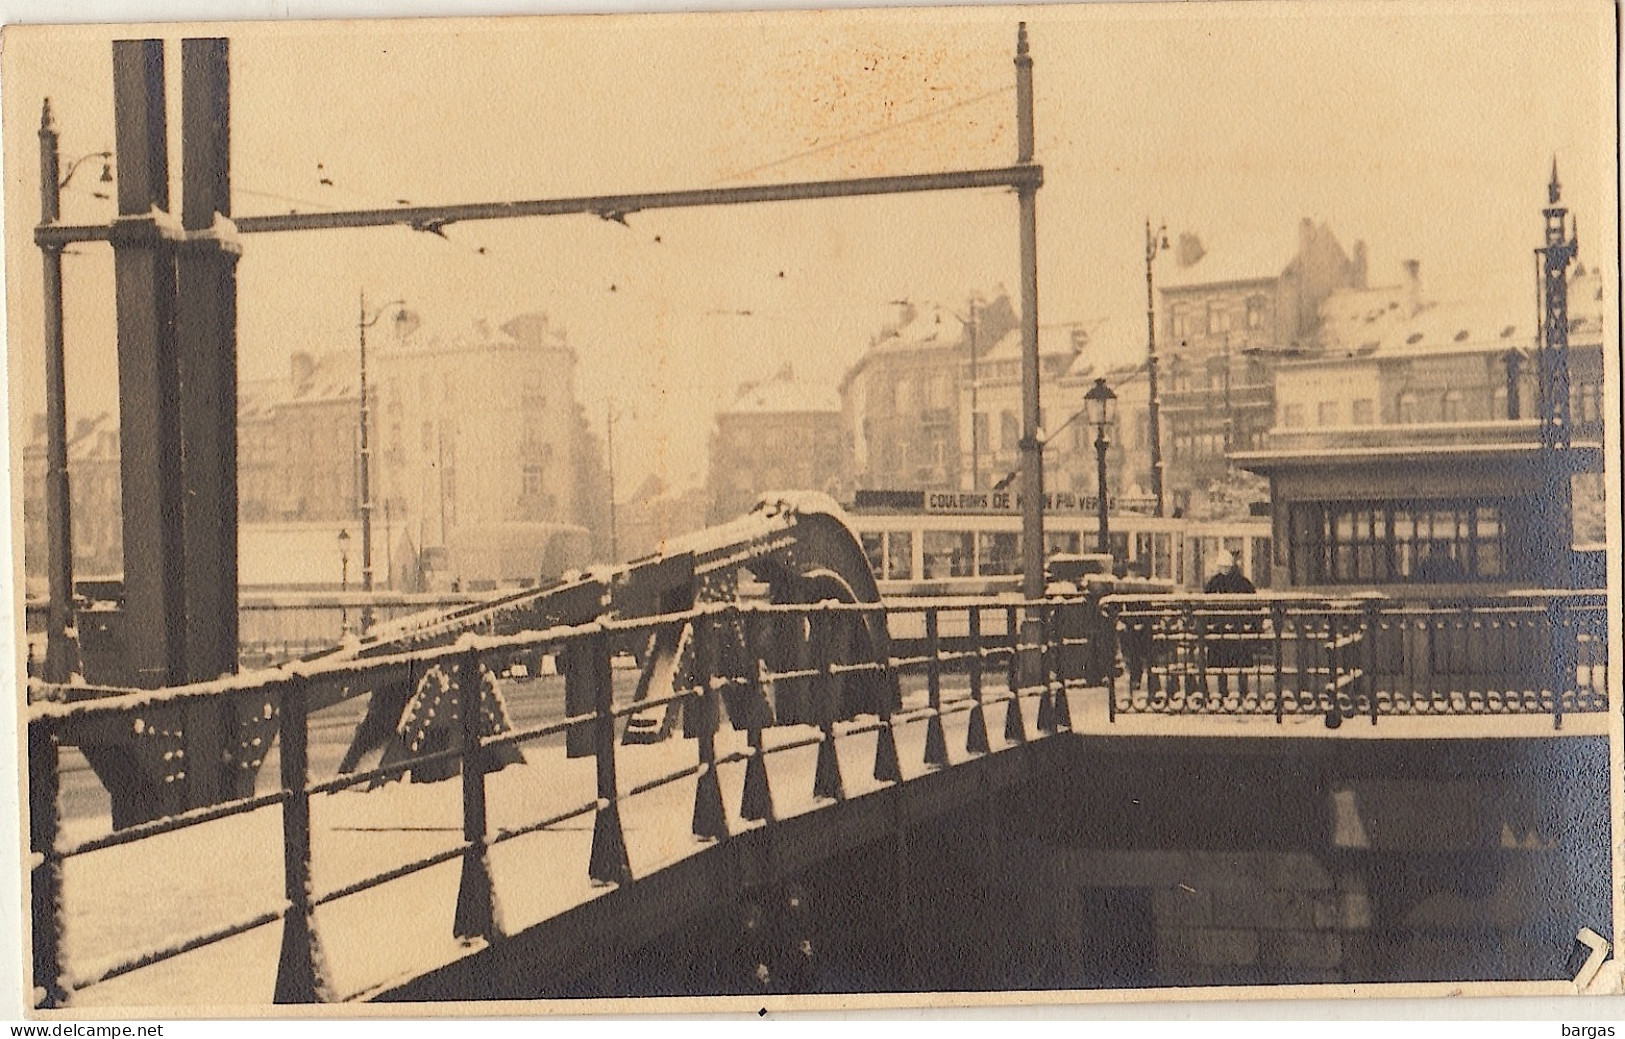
x,y
620,286
935,113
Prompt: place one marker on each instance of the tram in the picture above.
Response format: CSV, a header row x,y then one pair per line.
x,y
946,543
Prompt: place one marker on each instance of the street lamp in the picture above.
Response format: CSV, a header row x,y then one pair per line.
x,y
73,167
1101,403
1154,243
58,497
362,324
344,581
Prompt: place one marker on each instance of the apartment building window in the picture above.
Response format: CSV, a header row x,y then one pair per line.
x,y
1292,416
1361,411
1218,318
1587,401
1498,403
1406,410
1255,313
979,430
1180,321
1450,407
532,478
1009,431
1326,413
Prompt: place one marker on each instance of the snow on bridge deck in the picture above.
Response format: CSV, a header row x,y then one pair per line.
x,y
121,900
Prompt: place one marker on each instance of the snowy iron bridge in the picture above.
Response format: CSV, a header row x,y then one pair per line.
x,y
586,808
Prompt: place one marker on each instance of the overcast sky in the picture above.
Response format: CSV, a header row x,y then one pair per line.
x,y
1427,130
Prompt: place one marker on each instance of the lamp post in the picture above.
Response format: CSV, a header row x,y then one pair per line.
x,y
1154,243
362,324
344,581
58,498
1102,405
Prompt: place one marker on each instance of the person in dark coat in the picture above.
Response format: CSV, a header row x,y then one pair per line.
x,y
1229,644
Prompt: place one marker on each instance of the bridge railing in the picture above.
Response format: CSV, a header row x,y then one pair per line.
x,y
815,675
823,676
1341,658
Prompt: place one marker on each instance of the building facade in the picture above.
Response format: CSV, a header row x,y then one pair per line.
x,y
780,434
475,431
1414,457
1226,321
907,405
93,467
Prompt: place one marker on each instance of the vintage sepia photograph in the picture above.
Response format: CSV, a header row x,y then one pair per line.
x,y
908,507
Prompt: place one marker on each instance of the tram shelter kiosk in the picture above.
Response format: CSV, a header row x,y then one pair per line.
x,y
1434,511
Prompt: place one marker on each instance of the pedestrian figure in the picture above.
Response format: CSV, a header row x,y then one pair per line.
x,y
1229,643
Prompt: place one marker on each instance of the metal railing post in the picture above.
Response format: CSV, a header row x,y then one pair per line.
x,y
1046,696
756,802
888,769
936,740
827,773
476,913
301,969
45,874
1278,624
976,729
1015,725
1371,613
710,820
1061,716
608,863
1563,663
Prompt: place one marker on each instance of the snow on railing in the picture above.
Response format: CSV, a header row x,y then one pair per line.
x,y
824,666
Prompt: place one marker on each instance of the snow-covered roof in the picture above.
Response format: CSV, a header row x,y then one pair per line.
x,y
1052,339
783,394
1241,259
1355,320
925,326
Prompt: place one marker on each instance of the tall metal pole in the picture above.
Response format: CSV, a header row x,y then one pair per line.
x,y
1032,456
1103,542
58,502
1553,370
206,368
609,456
1154,403
366,477
144,242
975,440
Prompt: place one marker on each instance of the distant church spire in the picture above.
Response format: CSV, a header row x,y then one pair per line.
x,y
1554,190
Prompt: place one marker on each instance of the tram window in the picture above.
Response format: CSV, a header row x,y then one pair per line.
x,y
1162,556
1261,562
947,553
874,549
1143,562
1062,541
899,555
998,553
1119,546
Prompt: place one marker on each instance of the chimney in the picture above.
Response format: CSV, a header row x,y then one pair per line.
x,y
1080,339
1361,264
302,369
1413,285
